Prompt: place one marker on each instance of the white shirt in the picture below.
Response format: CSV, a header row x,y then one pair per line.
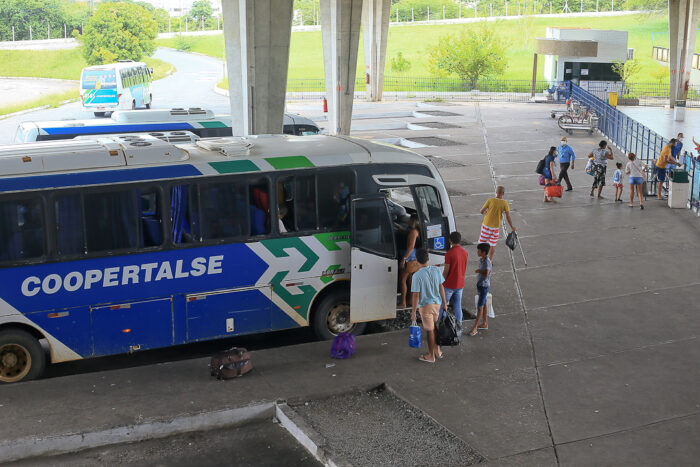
x,y
634,168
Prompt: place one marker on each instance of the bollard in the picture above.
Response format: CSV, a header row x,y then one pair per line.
x,y
325,105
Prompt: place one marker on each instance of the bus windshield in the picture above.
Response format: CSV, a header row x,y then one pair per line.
x,y
99,79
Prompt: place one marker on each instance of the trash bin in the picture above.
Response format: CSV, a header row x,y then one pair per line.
x,y
678,189
612,99
679,111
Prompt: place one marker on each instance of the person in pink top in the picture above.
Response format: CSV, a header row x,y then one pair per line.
x,y
454,272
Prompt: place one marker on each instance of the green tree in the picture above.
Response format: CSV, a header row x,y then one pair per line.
x,y
201,10
627,69
400,64
475,53
119,31
41,15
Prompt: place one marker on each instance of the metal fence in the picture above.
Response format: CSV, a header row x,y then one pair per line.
x,y
647,94
632,136
428,88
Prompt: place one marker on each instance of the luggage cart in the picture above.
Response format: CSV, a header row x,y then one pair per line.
x,y
587,121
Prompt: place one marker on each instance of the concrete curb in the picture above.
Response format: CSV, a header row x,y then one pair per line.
x,y
305,435
13,450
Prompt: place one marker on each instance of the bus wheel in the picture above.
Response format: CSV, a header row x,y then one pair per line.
x,y
21,356
150,99
99,114
332,316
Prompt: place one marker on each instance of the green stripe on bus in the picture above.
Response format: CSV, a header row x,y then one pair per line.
x,y
230,167
289,162
213,124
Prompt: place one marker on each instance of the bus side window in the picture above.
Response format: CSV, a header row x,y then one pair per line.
x,y
111,220
305,202
334,190
21,229
151,219
259,209
70,238
429,204
222,211
183,218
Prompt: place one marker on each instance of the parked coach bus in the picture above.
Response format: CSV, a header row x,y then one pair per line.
x,y
201,122
123,85
125,243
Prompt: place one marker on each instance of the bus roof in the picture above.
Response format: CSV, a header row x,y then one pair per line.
x,y
114,66
107,159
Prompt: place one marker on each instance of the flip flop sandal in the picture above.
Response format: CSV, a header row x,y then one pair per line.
x,y
423,359
472,334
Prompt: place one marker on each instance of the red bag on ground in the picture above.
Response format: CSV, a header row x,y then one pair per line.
x,y
553,191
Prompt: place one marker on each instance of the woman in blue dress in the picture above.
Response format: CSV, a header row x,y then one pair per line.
x,y
548,172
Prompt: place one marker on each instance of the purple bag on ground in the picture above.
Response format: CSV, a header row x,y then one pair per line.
x,y
414,336
343,345
541,180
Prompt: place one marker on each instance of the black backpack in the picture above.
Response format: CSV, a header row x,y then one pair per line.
x,y
449,330
540,167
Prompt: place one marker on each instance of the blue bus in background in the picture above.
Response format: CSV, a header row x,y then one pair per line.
x,y
115,86
129,242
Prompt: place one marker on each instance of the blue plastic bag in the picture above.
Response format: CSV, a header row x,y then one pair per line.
x,y
343,345
414,336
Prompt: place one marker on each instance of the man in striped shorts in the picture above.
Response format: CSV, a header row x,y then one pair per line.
x,y
493,211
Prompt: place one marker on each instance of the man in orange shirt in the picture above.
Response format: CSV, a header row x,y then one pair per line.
x,y
494,208
662,162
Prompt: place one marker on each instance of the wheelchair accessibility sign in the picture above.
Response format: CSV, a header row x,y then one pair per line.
x,y
439,243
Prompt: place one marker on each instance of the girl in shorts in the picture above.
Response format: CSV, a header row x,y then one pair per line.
x,y
617,182
636,172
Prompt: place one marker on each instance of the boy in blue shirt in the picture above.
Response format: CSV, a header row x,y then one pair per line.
x,y
428,294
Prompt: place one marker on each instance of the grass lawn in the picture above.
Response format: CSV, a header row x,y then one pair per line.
x,y
52,100
306,54
59,64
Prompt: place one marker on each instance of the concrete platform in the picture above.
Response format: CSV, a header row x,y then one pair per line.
x,y
591,360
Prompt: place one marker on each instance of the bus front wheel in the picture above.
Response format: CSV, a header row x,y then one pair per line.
x,y
332,316
150,99
21,356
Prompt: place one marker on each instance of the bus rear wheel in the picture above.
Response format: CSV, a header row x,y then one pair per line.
x,y
21,356
332,316
133,105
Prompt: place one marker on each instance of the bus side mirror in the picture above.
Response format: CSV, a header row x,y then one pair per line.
x,y
150,70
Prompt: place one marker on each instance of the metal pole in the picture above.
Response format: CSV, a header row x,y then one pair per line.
x,y
186,24
30,32
13,33
518,8
506,7
443,12
397,15
490,9
64,31
460,10
48,31
428,13
596,6
612,5
581,6
475,14
550,8
412,18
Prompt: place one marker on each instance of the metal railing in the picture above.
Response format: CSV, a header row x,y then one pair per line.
x,y
631,136
429,88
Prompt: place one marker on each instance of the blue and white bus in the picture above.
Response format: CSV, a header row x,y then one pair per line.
x,y
123,85
125,243
201,122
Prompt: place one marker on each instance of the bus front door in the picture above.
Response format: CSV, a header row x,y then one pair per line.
x,y
373,256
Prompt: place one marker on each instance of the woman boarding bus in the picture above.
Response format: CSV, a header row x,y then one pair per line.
x,y
129,243
123,85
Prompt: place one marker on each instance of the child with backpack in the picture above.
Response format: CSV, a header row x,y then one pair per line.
x,y
617,182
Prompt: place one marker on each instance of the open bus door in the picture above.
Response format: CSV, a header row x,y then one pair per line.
x,y
373,256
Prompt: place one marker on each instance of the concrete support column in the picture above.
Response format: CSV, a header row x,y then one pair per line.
x,y
256,34
375,34
340,26
682,25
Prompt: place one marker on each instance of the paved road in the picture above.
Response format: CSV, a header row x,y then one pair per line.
x,y
190,86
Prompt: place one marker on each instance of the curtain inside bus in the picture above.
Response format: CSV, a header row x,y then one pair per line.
x,y
178,212
69,225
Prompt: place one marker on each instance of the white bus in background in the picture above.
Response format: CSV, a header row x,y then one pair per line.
x,y
123,85
203,123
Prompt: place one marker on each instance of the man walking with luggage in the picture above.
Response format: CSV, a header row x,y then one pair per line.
x,y
428,295
566,159
493,211
455,268
601,155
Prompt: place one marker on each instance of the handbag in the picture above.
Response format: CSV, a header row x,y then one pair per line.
x,y
512,240
541,180
554,191
414,336
343,345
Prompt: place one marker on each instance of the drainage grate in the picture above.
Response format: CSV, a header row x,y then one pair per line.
x,y
437,125
439,113
434,141
441,163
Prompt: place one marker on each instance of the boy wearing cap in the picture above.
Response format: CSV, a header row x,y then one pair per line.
x,y
566,159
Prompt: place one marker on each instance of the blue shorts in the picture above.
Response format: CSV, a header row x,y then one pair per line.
x,y
483,293
661,174
636,181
